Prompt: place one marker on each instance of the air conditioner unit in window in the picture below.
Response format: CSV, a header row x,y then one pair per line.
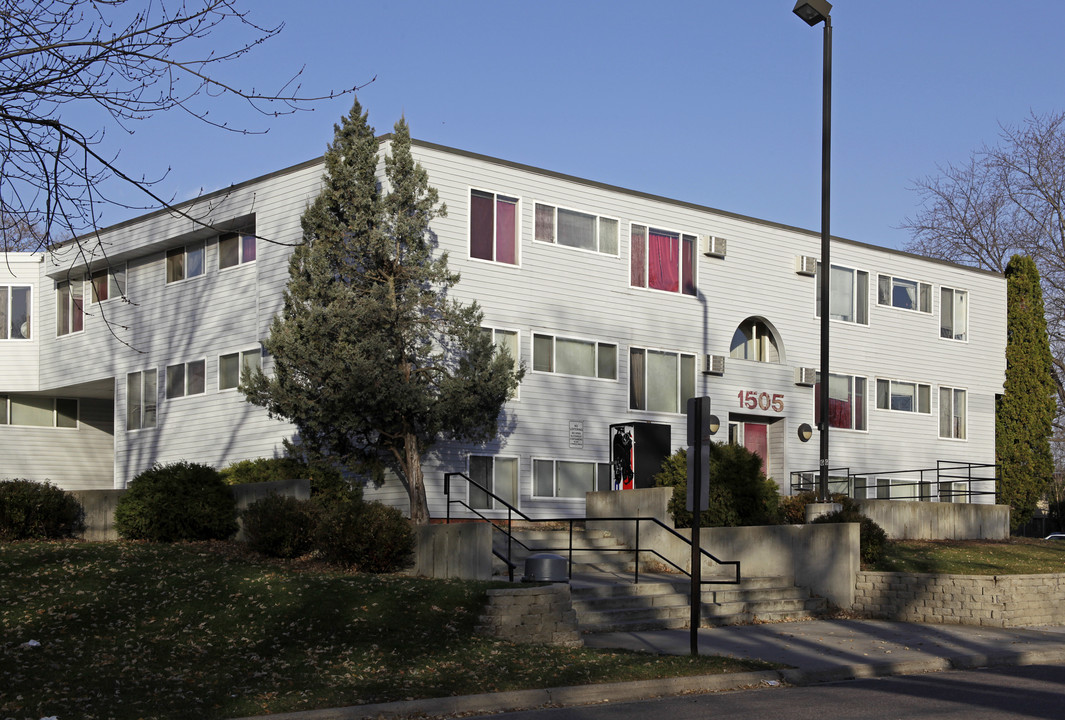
x,y
805,376
715,365
713,246
806,265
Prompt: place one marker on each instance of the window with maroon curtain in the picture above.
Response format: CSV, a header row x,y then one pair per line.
x,y
481,225
687,265
663,261
506,230
638,253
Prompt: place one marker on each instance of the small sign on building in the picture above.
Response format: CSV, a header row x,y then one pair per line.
x,y
576,434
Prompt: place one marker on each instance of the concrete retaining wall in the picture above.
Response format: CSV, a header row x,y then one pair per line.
x,y
823,558
996,600
911,520
100,504
541,614
457,550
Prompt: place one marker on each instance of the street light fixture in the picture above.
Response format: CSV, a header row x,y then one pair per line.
x,y
813,12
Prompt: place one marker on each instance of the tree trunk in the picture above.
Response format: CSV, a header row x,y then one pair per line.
x,y
419,507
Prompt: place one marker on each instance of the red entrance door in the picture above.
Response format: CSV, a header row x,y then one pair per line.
x,y
756,440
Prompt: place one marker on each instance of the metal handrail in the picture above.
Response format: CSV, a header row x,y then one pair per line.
x,y
945,471
508,532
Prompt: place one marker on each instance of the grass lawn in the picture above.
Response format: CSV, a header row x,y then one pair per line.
x,y
130,630
1016,556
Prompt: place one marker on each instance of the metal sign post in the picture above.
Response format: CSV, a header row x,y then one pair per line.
x,y
698,500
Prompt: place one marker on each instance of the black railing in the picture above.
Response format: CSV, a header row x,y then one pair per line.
x,y
508,533
923,484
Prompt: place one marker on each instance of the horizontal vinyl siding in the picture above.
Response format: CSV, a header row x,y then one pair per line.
x,y
72,459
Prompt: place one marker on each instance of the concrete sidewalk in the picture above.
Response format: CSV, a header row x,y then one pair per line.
x,y
815,651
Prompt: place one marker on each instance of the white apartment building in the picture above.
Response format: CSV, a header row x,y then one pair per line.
x,y
118,355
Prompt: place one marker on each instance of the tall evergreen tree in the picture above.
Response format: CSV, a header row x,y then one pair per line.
x,y
373,361
1025,413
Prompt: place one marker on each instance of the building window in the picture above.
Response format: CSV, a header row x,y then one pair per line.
x,y
576,229
660,381
951,413
953,314
569,479
493,227
904,396
846,401
14,313
141,399
849,295
236,248
69,307
184,262
31,411
753,340
186,379
566,356
905,294
662,260
233,365
107,283
499,475
505,339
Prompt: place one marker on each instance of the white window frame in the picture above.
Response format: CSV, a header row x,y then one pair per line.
x,y
115,276
6,411
242,357
922,289
241,236
681,400
598,220
74,307
859,300
953,334
682,236
891,382
494,333
597,467
8,293
764,343
185,379
597,348
496,197
953,433
854,392
471,491
141,376
200,246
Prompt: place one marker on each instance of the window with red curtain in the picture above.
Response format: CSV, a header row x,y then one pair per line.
x,y
493,227
663,261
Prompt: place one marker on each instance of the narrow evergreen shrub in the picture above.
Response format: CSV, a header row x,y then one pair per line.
x,y
739,493
37,511
175,502
280,526
872,537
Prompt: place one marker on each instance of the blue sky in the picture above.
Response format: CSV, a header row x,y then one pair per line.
x,y
712,102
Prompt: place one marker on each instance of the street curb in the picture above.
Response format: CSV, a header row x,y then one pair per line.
x,y
647,689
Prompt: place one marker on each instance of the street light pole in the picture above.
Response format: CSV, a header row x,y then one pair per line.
x,y
814,12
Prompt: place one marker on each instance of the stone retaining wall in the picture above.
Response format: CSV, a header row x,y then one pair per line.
x,y
995,600
538,614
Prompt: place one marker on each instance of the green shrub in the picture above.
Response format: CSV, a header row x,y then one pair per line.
x,y
179,501
324,479
280,526
370,537
793,508
37,511
872,537
739,493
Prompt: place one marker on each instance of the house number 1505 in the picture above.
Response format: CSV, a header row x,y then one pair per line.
x,y
754,400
